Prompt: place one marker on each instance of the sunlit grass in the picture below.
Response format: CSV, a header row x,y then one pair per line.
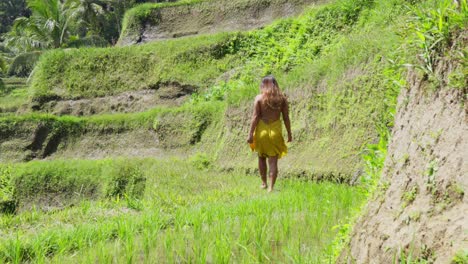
x,y
14,95
186,215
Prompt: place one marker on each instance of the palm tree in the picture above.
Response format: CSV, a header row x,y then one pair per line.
x,y
91,10
9,10
47,27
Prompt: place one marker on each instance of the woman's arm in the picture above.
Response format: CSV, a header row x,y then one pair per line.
x,y
255,119
287,122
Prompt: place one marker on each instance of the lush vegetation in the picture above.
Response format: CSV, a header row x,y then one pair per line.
x,y
9,10
342,64
99,72
168,210
35,25
53,24
437,25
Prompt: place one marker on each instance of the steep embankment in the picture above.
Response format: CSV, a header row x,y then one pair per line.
x,y
419,210
149,22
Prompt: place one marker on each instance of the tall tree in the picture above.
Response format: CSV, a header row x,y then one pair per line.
x,y
47,27
91,13
9,11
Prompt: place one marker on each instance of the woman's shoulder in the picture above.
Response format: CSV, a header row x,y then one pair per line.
x,y
258,98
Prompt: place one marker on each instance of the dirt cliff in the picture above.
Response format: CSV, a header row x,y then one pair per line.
x,y
419,209
207,17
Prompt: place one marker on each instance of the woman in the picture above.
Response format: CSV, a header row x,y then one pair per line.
x,y
265,134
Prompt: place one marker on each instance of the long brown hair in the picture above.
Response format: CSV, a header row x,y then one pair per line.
x,y
272,96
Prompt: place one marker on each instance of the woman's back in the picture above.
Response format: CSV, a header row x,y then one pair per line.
x,y
269,113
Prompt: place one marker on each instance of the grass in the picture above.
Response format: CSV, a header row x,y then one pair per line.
x,y
160,119
13,95
184,214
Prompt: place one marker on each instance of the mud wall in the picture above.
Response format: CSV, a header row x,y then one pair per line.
x,y
419,204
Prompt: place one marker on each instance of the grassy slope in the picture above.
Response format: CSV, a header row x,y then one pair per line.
x,y
181,213
91,72
339,99
338,64
322,54
197,61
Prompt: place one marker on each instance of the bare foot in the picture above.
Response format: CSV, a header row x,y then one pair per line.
x,y
264,186
270,190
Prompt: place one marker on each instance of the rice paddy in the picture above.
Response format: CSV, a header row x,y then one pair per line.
x,y
186,215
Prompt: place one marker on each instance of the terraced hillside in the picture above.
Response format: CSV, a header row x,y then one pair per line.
x,y
137,153
221,74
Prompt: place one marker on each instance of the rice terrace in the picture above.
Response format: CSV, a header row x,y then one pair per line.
x,y
140,131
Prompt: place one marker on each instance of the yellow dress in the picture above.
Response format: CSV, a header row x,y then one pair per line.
x,y
268,140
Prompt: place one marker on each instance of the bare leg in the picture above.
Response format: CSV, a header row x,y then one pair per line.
x,y
273,167
262,167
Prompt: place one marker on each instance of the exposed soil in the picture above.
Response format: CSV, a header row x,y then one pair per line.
x,y
418,210
171,94
133,143
211,17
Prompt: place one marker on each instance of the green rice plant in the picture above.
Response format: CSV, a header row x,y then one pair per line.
x,y
201,161
210,217
126,180
13,94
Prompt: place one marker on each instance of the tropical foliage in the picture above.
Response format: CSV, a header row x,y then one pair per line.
x,y
9,10
48,24
47,27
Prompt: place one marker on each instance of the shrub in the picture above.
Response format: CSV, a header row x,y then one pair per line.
x,y
3,66
23,64
201,161
88,41
66,181
126,180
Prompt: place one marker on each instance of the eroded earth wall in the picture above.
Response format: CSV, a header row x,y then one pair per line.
x,y
421,203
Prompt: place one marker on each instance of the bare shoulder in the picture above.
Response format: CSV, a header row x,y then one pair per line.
x,y
258,99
